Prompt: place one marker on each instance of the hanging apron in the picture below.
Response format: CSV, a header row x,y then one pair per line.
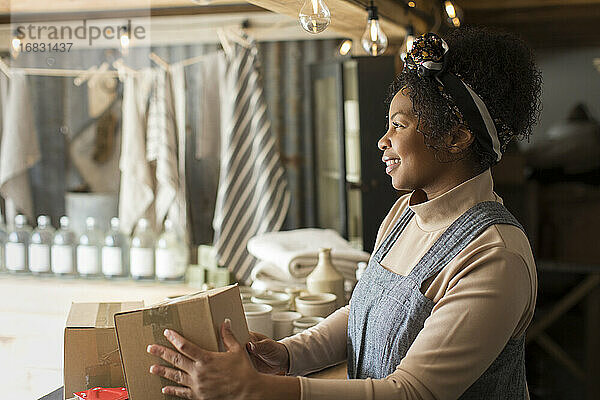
x,y
388,310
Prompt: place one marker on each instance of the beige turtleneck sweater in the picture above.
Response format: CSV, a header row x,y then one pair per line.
x,y
483,297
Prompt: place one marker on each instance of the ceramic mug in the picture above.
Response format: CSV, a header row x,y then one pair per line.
x,y
304,323
316,305
283,323
246,293
258,317
279,301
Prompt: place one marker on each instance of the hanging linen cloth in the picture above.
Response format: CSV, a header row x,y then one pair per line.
x,y
19,148
165,142
252,197
136,188
178,211
209,112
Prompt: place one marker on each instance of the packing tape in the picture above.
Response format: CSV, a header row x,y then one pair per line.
x,y
99,375
161,318
106,313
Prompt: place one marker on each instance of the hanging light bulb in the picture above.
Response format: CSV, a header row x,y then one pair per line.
x,y
450,10
454,14
374,40
408,41
314,16
345,47
124,40
15,45
15,48
410,38
411,4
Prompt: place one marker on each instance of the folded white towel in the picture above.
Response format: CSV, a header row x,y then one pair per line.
x,y
267,271
296,252
267,276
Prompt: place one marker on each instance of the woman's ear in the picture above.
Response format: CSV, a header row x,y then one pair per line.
x,y
459,140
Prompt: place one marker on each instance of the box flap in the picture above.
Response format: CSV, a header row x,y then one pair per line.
x,y
192,296
228,304
98,315
197,317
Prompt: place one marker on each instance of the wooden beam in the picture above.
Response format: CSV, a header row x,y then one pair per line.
x,y
130,13
349,17
556,15
516,4
42,6
547,27
263,26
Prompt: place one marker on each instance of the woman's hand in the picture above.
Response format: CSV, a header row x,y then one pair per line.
x,y
268,356
205,374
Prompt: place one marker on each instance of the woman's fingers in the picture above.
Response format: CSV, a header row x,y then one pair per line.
x,y
175,375
171,356
255,336
229,340
186,347
183,392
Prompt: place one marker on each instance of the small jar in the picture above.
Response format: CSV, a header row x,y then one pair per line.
x,y
300,325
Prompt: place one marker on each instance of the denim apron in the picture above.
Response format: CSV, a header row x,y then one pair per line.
x,y
388,310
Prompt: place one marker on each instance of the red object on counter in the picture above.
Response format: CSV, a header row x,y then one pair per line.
x,y
103,394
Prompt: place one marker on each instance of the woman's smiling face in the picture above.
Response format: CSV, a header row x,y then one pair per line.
x,y
411,164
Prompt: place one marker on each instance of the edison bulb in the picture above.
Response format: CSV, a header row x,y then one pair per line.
x,y
125,44
454,14
314,16
345,47
374,40
16,44
450,10
410,38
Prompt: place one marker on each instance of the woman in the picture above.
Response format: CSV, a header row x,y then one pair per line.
x,y
442,309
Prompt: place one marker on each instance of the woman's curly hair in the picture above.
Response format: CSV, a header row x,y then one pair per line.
x,y
500,68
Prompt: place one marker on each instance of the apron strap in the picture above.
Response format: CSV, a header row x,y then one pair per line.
x,y
459,234
390,239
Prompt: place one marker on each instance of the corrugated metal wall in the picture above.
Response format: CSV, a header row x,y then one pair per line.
x,y
61,107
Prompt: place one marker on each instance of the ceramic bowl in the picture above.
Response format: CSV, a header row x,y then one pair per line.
x,y
304,323
246,293
279,301
316,305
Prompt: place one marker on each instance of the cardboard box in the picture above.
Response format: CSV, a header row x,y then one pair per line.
x,y
198,317
91,351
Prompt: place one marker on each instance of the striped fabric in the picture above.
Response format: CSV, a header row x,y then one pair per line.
x,y
252,197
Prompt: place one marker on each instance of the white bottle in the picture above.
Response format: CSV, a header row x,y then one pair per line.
x,y
16,246
115,253
141,254
63,252
172,254
39,246
88,250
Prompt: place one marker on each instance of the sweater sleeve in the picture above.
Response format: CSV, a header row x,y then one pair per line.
x,y
468,328
319,347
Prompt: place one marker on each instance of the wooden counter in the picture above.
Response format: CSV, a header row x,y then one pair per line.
x,y
32,321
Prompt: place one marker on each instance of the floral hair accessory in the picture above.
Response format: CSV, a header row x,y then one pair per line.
x,y
428,57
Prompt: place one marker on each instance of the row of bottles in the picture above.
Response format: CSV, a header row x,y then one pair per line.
x,y
95,253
